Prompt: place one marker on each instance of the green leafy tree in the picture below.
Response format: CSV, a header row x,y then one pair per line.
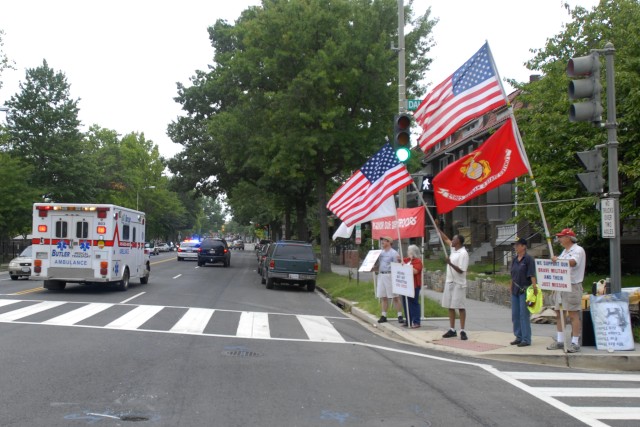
x,y
17,196
5,62
551,140
43,129
301,93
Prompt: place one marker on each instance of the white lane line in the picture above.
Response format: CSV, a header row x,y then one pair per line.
x,y
4,302
175,277
28,311
589,392
610,413
253,325
135,296
135,318
571,376
319,329
194,321
78,315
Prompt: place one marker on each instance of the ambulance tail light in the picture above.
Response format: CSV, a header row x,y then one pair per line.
x,y
43,211
42,228
101,229
37,266
102,212
104,266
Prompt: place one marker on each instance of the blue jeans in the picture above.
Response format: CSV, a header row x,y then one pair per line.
x,y
414,307
520,317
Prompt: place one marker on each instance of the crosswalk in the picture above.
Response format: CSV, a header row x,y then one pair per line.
x,y
176,320
593,398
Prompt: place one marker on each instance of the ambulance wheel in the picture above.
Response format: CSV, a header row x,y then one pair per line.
x,y
124,283
145,279
54,285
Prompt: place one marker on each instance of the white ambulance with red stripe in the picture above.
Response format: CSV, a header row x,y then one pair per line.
x,y
88,243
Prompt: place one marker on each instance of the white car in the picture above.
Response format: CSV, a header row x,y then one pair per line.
x,y
163,247
188,250
21,265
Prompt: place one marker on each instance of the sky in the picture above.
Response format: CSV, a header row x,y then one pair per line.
x,y
123,59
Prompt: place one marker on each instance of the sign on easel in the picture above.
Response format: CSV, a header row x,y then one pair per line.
x,y
611,322
370,260
402,279
553,276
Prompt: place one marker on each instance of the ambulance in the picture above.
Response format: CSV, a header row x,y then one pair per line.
x,y
88,243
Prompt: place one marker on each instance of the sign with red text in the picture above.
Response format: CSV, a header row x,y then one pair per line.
x,y
402,279
553,276
411,222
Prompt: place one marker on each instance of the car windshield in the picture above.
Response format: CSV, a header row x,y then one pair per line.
x,y
26,252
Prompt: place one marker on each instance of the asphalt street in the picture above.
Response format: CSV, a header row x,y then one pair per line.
x,y
211,346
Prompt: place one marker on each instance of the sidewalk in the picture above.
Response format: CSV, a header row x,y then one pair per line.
x,y
490,331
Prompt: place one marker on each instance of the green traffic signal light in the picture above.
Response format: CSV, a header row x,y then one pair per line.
x,y
402,136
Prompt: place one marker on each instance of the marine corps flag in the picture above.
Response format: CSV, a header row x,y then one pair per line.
x,y
495,162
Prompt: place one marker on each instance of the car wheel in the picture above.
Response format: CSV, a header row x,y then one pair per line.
x,y
147,272
123,285
13,277
311,286
200,263
270,283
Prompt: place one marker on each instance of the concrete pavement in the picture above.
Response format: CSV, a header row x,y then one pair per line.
x,y
489,329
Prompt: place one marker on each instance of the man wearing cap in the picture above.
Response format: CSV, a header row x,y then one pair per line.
x,y
523,275
384,289
570,301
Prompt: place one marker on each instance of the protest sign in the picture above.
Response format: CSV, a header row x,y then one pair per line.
x,y
553,276
402,279
611,322
370,260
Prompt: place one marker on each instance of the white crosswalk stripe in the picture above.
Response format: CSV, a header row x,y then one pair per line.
x,y
192,321
591,415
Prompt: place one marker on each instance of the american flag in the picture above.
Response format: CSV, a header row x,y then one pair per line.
x,y
381,177
473,90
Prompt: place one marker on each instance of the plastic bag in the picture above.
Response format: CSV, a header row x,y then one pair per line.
x,y
534,302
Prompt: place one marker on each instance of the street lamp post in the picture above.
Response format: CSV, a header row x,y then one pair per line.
x,y
151,187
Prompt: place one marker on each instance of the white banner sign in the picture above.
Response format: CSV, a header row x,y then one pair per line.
x,y
611,322
553,276
370,260
402,279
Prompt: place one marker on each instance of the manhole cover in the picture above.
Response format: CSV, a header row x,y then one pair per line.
x,y
241,353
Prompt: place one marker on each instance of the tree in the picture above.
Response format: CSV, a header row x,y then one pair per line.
x,y
5,62
551,140
43,129
17,196
301,93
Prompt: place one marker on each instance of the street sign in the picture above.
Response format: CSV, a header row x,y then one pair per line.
x,y
608,218
358,235
413,104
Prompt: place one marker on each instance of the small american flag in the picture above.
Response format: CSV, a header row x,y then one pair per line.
x,y
473,90
381,177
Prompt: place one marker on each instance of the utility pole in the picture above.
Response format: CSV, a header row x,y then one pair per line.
x,y
402,90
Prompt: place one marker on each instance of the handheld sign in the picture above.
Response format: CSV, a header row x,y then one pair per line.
x,y
402,279
370,260
553,276
612,322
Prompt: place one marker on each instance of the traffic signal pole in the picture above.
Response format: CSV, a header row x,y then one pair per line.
x,y
612,154
402,89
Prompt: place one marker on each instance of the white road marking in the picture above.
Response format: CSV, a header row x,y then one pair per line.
x,y
610,413
572,376
78,315
589,392
253,325
28,311
194,321
135,318
135,296
4,302
175,277
319,329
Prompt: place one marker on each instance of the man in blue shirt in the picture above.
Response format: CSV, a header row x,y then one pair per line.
x,y
523,275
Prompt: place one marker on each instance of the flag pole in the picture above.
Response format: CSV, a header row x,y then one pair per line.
x,y
523,153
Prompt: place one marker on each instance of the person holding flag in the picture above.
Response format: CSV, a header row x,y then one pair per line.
x,y
384,288
455,287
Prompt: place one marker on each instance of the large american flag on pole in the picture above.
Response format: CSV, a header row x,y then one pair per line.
x,y
473,90
379,178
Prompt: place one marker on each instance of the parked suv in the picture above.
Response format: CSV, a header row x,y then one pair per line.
x,y
214,250
290,261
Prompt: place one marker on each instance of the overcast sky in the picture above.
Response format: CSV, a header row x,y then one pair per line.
x,y
123,58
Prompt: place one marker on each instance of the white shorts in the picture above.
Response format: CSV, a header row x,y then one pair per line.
x,y
383,286
454,295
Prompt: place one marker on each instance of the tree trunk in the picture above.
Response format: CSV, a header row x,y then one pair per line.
x,y
301,220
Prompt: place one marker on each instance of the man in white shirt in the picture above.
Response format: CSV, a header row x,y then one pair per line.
x,y
570,301
384,289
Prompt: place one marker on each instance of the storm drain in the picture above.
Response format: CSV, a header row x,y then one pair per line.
x,y
241,353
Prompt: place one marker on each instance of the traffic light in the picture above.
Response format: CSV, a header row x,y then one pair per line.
x,y
592,180
589,87
402,136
